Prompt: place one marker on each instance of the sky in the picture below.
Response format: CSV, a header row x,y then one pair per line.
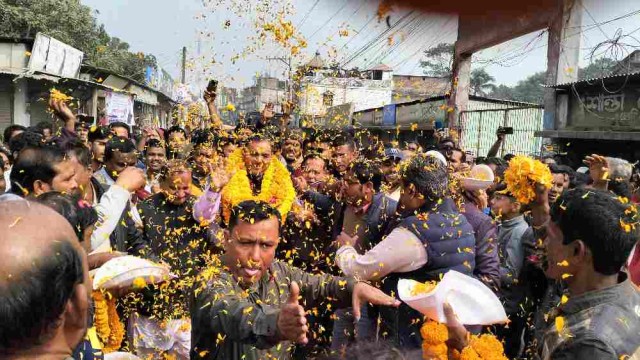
x,y
221,36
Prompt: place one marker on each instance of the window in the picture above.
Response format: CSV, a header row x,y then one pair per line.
x,y
327,98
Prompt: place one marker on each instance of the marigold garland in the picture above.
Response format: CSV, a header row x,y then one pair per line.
x,y
108,326
485,347
235,162
276,188
435,335
522,176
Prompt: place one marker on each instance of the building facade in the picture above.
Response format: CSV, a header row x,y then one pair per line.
x,y
410,87
602,116
264,91
24,91
321,88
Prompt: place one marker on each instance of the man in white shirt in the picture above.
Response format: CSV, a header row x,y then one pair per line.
x,y
430,239
109,204
119,154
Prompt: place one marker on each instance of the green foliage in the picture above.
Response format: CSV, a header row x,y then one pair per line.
x,y
74,24
598,68
438,60
481,83
531,89
527,90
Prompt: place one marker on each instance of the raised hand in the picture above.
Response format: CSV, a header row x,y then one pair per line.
x,y
292,323
288,107
218,176
267,113
62,111
131,178
300,184
598,168
365,293
209,97
306,216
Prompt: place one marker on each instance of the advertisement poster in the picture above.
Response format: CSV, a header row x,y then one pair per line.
x,y
119,108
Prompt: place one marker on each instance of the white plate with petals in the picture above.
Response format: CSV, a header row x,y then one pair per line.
x,y
127,271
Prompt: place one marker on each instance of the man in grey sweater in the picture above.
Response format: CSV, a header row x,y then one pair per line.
x,y
512,233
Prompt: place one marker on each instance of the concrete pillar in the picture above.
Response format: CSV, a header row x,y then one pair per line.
x,y
461,73
563,55
20,101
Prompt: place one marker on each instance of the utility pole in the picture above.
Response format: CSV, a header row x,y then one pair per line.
x,y
287,62
184,64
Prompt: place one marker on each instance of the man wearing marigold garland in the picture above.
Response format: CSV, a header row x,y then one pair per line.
x,y
255,175
250,307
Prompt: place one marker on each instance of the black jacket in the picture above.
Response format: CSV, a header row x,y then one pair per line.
x,y
311,246
177,239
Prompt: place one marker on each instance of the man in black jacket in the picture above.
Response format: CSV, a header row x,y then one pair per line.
x,y
160,325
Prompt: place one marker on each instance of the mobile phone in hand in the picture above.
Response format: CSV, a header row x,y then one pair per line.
x,y
212,87
505,130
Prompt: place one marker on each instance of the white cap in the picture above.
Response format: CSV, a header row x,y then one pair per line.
x,y
437,155
583,169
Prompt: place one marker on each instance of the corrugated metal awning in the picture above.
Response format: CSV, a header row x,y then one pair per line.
x,y
617,77
589,135
57,79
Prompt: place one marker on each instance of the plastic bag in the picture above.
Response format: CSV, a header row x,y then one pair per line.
x,y
471,300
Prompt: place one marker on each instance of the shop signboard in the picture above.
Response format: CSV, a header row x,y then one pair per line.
x,y
54,57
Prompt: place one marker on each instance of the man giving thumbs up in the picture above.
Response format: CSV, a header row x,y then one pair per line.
x,y
255,307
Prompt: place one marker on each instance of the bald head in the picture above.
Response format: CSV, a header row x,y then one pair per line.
x,y
25,235
43,270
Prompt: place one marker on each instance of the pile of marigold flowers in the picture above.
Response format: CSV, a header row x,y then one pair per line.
x,y
523,175
434,347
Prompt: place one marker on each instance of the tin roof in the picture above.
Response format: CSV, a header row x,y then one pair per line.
x,y
631,75
381,67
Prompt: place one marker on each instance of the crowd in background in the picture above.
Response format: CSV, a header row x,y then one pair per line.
x,y
290,243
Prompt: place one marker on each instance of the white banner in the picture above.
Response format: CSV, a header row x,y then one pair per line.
x,y
54,57
119,108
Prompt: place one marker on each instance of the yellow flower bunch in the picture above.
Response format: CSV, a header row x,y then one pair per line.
x,y
108,326
522,176
435,335
276,189
58,95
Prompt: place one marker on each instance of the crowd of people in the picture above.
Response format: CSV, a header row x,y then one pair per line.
x,y
291,244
